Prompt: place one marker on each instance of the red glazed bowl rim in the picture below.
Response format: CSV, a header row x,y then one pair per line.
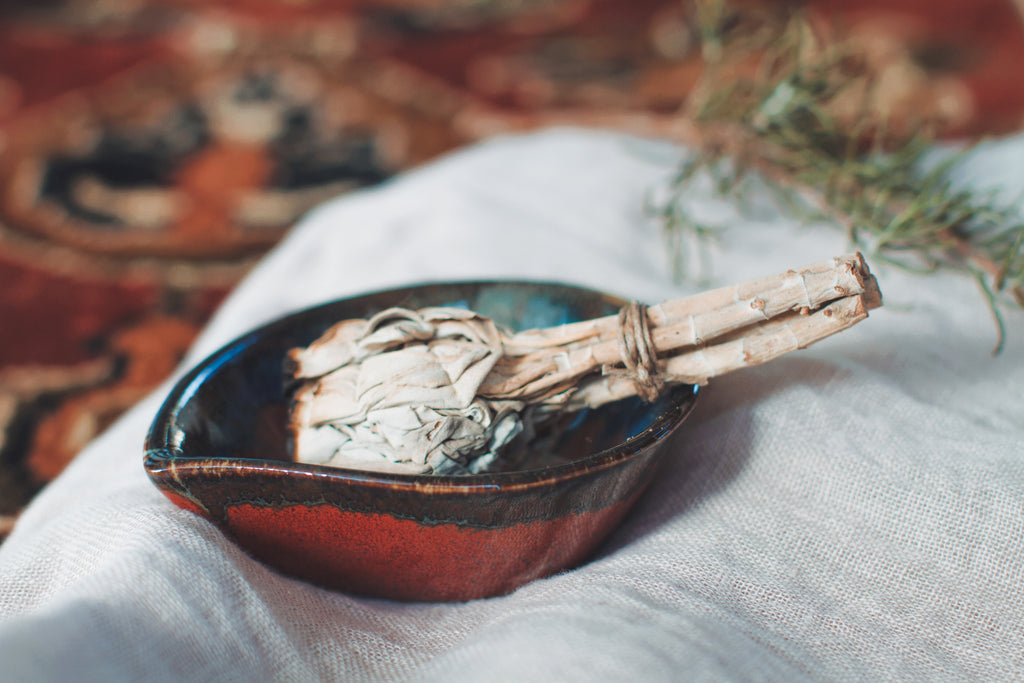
x,y
163,454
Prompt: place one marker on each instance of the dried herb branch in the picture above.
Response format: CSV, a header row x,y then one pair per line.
x,y
445,390
790,100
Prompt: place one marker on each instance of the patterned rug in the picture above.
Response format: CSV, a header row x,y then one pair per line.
x,y
151,152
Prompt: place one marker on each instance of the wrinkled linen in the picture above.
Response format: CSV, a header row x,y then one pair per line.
x,y
854,511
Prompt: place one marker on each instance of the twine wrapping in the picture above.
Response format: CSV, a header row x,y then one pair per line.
x,y
636,348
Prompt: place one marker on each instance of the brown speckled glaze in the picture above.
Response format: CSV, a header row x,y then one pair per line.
x,y
217,448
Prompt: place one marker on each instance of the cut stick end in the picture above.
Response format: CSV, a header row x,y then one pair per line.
x,y
872,294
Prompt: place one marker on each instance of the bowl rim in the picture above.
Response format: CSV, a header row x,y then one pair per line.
x,y
163,456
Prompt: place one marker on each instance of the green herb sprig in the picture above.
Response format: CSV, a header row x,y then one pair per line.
x,y
771,104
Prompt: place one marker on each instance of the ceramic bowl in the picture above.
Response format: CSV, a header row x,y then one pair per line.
x,y
217,447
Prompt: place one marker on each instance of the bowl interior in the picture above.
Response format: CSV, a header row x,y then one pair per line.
x,y
233,404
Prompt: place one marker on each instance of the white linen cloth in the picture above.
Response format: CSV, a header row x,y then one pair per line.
x,y
851,512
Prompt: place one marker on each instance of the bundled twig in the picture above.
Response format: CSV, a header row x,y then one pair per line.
x,y
694,336
442,390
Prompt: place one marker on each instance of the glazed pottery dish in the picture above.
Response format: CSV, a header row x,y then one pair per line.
x,y
218,447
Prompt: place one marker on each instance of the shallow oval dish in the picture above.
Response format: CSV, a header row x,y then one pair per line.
x,y
218,448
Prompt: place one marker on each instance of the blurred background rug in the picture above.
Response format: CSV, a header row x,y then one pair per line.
x,y
151,151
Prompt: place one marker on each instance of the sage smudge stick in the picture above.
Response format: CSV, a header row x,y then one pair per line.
x,y
442,390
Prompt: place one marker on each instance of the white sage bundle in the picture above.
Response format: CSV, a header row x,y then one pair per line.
x,y
398,392
442,390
